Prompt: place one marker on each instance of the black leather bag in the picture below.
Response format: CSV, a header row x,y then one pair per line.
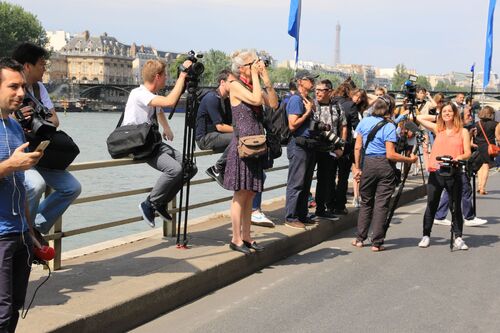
x,y
141,140
59,154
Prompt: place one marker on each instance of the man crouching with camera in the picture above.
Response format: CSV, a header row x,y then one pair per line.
x,y
329,123
39,120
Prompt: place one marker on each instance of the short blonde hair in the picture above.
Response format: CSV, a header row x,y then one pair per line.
x,y
239,58
151,68
487,113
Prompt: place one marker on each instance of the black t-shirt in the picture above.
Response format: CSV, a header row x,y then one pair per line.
x,y
351,114
489,127
212,111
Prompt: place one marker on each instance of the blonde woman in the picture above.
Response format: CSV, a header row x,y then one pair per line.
x,y
245,177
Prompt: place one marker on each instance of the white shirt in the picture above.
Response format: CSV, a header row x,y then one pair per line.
x,y
137,110
44,95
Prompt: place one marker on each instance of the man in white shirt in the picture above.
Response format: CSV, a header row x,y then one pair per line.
x,y
66,188
143,105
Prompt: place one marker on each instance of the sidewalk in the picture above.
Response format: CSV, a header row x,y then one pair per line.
x,y
119,288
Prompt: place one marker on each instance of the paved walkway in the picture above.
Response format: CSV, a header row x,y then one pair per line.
x,y
119,288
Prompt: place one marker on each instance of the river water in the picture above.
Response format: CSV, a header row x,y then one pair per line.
x,y
89,131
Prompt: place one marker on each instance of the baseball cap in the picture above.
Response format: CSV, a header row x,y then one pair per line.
x,y
305,74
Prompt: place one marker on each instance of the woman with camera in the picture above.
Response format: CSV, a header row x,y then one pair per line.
x,y
451,140
487,130
375,156
245,176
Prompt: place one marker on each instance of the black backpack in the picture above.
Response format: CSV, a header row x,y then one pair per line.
x,y
278,123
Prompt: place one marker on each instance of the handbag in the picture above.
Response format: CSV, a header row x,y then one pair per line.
x,y
252,146
59,154
141,140
493,150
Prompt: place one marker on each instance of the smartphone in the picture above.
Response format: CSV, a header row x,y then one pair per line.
x,y
42,145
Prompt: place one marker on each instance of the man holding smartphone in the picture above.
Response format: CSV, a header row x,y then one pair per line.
x,y
66,188
16,236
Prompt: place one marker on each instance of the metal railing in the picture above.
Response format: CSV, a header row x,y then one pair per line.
x,y
57,234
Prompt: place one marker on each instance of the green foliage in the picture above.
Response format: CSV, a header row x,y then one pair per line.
x,y
422,81
335,79
16,26
280,75
214,61
399,77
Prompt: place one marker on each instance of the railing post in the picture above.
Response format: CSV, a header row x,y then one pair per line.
x,y
169,227
54,264
57,245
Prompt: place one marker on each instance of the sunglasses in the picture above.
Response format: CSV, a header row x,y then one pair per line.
x,y
322,90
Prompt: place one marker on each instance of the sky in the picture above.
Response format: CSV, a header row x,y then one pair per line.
x,y
431,36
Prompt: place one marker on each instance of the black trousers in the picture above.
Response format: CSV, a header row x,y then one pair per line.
x,y
435,186
325,187
16,257
376,188
341,169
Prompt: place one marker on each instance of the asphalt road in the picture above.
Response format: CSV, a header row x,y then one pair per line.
x,y
335,287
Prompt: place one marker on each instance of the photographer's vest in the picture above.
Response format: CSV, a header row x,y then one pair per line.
x,y
446,144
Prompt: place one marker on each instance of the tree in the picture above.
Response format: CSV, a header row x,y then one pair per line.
x,y
280,75
399,77
214,61
16,26
423,82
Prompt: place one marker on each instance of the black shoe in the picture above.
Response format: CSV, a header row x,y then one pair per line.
x,y
39,237
242,248
309,221
216,175
254,246
327,215
162,211
148,212
342,211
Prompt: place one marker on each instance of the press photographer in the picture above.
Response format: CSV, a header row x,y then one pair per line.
x,y
451,140
328,126
375,156
39,120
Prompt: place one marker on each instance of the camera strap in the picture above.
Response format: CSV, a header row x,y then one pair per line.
x,y
370,138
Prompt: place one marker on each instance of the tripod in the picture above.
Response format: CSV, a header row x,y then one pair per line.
x,y
189,168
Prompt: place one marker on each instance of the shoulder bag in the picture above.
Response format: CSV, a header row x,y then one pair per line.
x,y
493,150
141,140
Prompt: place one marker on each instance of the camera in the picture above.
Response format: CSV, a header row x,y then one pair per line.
x,y
38,124
449,166
325,134
196,69
265,59
411,89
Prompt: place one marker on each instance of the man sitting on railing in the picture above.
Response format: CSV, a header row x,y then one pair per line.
x,y
142,106
213,124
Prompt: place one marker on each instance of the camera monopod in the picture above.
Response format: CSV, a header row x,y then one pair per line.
x,y
473,113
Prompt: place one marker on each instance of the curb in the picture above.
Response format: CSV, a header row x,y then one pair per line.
x,y
166,297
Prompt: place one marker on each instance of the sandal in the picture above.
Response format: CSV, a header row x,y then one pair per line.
x,y
378,248
483,192
357,243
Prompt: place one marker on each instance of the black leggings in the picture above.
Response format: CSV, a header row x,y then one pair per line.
x,y
435,186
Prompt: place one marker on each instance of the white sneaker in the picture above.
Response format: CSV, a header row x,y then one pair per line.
x,y
475,222
442,222
459,244
425,242
258,218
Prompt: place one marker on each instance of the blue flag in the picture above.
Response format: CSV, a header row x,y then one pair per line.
x,y
294,24
489,44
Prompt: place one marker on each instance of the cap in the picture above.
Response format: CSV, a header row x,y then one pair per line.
x,y
305,74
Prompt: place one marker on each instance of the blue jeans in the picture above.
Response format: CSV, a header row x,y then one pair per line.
x,y
257,199
66,189
467,209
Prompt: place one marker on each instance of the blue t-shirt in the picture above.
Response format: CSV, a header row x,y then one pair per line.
x,y
12,191
296,106
386,133
209,114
